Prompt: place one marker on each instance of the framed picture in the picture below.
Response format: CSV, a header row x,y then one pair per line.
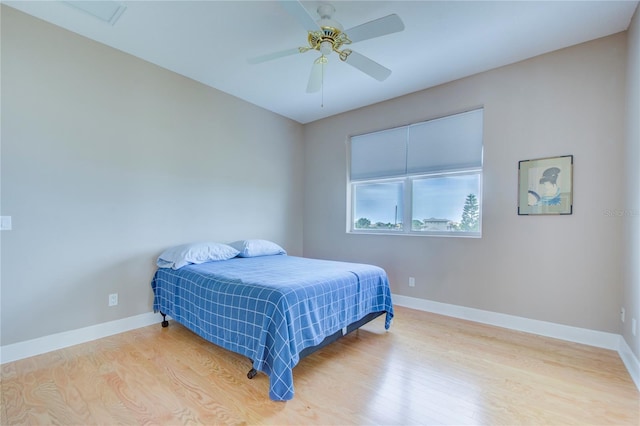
x,y
545,186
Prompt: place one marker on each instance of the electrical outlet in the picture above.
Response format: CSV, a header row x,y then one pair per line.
x,y
633,326
622,312
113,299
412,282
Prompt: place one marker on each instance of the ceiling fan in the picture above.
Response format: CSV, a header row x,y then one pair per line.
x,y
326,35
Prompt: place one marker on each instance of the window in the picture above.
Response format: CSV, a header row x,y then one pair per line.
x,y
422,179
380,201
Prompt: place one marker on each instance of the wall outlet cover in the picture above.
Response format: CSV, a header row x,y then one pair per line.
x,y
113,299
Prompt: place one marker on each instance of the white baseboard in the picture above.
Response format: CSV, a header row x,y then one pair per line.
x,y
630,361
558,331
21,350
56,341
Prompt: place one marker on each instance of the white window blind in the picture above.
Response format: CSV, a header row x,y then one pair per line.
x,y
379,154
450,143
444,144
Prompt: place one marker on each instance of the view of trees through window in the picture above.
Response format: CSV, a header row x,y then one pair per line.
x,y
439,204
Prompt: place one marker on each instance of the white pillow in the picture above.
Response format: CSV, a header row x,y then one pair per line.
x,y
254,248
186,254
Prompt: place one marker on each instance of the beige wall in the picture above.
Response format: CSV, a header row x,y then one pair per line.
x,y
565,270
107,160
631,205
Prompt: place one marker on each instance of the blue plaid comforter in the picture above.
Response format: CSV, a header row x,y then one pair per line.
x,y
270,308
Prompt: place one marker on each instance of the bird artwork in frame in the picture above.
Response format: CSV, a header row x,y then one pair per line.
x,y
545,186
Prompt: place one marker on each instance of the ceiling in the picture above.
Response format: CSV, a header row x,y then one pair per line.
x,y
211,42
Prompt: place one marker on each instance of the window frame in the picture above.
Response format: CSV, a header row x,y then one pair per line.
x,y
351,225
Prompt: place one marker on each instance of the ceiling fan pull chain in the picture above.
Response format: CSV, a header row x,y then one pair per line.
x,y
322,87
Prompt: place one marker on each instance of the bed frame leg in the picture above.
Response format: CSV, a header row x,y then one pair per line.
x,y
165,323
252,373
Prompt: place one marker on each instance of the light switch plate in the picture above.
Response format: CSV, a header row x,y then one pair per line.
x,y
5,223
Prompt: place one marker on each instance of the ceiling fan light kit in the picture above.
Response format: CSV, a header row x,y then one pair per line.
x,y
327,40
327,35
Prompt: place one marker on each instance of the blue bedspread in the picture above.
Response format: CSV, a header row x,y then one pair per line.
x,y
270,308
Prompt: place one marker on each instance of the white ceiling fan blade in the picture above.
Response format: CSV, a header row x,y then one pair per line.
x,y
297,10
274,55
368,66
315,78
376,28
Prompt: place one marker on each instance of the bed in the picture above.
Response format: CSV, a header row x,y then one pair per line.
x,y
274,308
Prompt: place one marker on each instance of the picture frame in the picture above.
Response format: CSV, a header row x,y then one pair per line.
x,y
545,186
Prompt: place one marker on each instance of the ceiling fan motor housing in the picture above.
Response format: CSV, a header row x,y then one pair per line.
x,y
331,37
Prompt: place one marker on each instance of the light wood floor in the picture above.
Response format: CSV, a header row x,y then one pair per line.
x,y
428,369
